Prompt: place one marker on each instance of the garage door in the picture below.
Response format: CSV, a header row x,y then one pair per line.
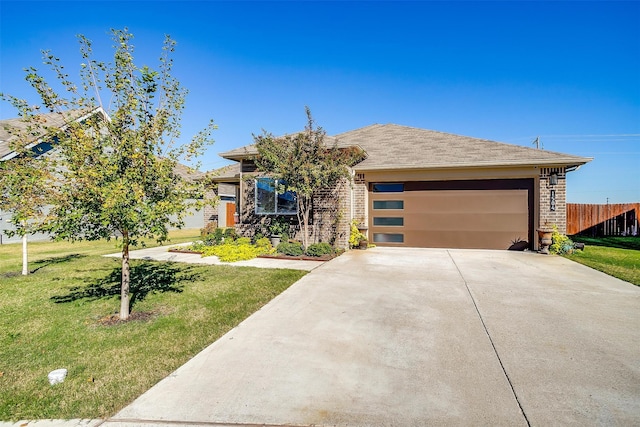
x,y
487,214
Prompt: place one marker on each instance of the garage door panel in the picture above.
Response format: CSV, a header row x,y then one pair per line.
x,y
484,218
467,222
476,201
461,239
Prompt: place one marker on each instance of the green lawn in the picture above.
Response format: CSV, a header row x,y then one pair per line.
x,y
60,317
616,256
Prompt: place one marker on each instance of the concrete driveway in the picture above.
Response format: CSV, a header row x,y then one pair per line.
x,y
413,337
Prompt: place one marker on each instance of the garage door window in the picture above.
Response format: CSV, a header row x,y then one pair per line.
x,y
389,187
388,221
388,238
388,204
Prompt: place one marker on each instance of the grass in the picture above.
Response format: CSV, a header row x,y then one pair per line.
x,y
61,316
616,256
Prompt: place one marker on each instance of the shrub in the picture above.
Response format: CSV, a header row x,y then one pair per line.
x,y
560,244
243,241
209,228
230,233
238,250
293,248
264,243
319,249
356,236
279,226
220,235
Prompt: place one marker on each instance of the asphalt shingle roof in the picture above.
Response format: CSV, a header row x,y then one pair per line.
x,y
57,120
251,151
392,147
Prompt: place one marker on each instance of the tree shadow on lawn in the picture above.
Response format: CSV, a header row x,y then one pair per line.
x,y
146,278
42,263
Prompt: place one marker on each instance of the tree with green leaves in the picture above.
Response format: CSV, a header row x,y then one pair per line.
x,y
117,165
25,188
306,163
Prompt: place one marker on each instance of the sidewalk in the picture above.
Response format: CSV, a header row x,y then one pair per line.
x,y
53,423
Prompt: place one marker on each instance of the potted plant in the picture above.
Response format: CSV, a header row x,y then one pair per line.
x,y
357,239
544,237
363,244
278,228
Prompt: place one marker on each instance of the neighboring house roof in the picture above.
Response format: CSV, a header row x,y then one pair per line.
x,y
9,127
226,173
60,120
393,147
187,173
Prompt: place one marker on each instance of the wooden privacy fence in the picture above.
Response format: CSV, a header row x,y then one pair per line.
x,y
620,219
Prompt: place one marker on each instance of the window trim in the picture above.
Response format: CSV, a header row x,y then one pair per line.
x,y
388,242
401,202
379,187
276,195
384,218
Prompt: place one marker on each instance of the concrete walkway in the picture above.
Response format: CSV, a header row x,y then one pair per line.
x,y
162,253
413,337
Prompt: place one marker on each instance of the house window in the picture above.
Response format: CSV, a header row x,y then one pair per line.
x,y
388,221
388,204
389,187
272,198
388,238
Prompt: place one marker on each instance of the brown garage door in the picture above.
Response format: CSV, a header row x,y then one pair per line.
x,y
487,214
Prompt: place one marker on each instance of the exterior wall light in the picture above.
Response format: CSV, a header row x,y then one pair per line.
x,y
553,178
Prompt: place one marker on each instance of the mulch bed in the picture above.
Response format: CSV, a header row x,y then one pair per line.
x,y
135,316
299,257
184,251
274,256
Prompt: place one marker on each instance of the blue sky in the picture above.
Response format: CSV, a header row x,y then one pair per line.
x,y
568,72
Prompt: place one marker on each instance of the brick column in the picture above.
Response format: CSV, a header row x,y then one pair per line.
x,y
550,212
211,212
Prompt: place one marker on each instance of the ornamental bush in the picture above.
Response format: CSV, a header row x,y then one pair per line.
x,y
319,249
237,250
356,235
219,236
560,244
292,249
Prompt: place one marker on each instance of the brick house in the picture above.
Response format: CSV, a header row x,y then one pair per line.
x,y
422,188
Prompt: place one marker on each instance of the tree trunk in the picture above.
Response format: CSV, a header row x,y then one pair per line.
x,y
303,218
126,278
25,260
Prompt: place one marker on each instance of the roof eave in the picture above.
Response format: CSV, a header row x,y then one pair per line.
x,y
570,163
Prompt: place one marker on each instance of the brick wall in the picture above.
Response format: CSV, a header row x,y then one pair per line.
x,y
331,214
558,216
360,200
210,212
329,219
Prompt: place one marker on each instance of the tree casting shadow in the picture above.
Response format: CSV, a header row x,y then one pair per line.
x,y
42,263
146,278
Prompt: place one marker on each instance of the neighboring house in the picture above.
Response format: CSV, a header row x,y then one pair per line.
x,y
422,188
44,146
